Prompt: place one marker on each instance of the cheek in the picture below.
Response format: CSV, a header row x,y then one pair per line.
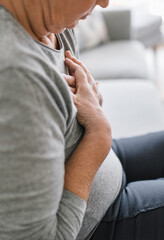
x,y
70,15
79,9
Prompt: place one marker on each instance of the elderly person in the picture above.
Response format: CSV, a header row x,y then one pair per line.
x,y
57,178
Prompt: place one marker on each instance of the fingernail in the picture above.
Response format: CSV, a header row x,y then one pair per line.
x,y
67,52
68,59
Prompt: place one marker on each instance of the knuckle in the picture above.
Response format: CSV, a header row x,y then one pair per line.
x,y
88,72
80,68
94,86
92,81
80,63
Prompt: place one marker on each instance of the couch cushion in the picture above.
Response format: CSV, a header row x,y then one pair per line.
x,y
118,59
132,107
92,31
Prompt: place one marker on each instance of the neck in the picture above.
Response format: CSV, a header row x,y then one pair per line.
x,y
30,16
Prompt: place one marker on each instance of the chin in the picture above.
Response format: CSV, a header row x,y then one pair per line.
x,y
60,30
73,25
56,30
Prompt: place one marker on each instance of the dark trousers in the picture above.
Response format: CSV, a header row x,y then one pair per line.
x,y
138,212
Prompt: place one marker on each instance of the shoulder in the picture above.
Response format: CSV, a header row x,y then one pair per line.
x,y
17,47
25,68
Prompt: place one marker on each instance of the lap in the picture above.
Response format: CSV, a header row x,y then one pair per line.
x,y
142,157
138,212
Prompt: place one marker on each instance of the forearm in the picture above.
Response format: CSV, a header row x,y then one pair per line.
x,y
95,145
85,161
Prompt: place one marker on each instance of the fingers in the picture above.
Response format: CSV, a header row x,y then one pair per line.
x,y
73,90
70,80
76,71
95,88
75,60
75,66
68,54
72,66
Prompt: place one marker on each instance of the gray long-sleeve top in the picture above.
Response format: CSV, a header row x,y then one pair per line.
x,y
38,133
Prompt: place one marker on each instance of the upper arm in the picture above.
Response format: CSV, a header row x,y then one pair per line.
x,y
33,204
31,154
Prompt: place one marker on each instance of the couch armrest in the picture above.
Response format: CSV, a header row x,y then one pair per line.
x,y
118,22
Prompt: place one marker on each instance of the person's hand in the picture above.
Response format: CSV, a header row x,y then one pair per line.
x,y
72,81
86,97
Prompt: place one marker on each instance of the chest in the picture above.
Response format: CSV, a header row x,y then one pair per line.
x,y
75,131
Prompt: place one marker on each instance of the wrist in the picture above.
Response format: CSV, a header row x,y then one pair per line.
x,y
99,127
100,137
85,161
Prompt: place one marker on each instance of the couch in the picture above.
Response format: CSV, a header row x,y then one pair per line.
x,y
146,28
131,100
